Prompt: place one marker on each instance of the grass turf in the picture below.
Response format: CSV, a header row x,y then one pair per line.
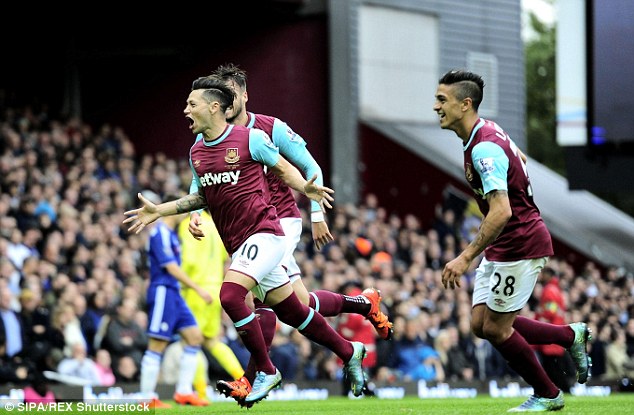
x,y
615,404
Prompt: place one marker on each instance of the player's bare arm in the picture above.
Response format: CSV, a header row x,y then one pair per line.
x,y
490,228
294,179
180,275
150,212
492,224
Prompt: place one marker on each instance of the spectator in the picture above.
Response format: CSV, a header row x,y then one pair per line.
x,y
37,327
124,338
103,364
86,322
65,320
454,360
618,363
598,349
126,370
79,366
12,369
489,363
12,333
417,360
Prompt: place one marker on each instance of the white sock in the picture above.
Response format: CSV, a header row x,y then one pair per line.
x,y
187,370
150,369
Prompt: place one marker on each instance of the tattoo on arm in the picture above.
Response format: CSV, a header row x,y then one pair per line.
x,y
488,231
190,202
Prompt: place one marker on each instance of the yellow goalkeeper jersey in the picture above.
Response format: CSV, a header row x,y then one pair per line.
x,y
203,260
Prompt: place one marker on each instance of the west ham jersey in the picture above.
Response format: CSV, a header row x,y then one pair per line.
x,y
230,171
293,147
492,162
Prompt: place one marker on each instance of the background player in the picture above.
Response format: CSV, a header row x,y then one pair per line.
x,y
168,314
204,262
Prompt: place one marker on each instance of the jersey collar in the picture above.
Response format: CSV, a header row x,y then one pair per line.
x,y
250,119
477,126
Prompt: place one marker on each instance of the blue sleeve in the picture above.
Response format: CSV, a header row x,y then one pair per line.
x,y
262,148
195,184
293,147
491,163
160,244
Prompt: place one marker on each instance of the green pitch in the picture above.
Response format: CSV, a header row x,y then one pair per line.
x,y
617,404
610,405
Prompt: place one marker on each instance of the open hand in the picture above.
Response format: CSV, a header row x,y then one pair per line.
x,y
143,216
320,194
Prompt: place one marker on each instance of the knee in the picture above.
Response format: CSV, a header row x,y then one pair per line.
x,y
231,294
493,333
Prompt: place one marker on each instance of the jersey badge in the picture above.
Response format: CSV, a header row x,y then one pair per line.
x,y
196,163
468,172
232,156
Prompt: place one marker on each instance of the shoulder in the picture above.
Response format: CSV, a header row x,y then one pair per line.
x,y
487,148
268,119
258,136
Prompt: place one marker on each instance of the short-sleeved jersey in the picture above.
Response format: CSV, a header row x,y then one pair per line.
x,y
163,247
492,162
230,171
293,147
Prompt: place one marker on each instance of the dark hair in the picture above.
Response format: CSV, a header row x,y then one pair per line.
x,y
468,85
231,72
215,90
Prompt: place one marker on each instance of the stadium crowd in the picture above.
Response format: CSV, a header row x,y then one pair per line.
x,y
73,280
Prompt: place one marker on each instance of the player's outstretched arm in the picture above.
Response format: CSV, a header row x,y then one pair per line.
x,y
294,179
148,213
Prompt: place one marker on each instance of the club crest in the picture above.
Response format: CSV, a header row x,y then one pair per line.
x,y
232,156
468,172
196,163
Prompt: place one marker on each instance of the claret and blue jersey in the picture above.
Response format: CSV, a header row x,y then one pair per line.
x,y
492,161
230,172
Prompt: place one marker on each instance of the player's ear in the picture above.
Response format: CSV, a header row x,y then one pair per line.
x,y
466,104
214,106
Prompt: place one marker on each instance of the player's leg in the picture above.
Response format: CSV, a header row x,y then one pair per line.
x,y
200,309
193,338
250,264
268,323
151,365
210,320
313,325
328,303
573,337
159,332
510,285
